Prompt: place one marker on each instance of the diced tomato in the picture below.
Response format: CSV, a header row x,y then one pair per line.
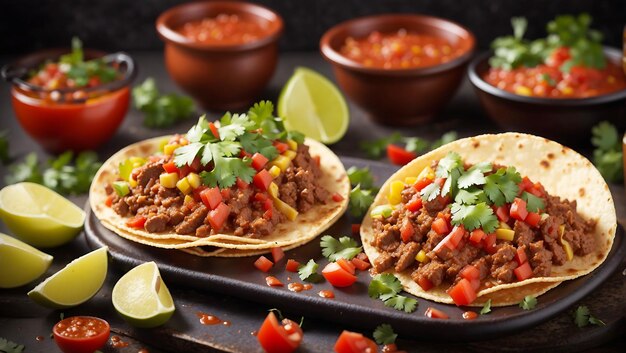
x,y
109,200
259,161
518,209
268,214
218,216
451,241
520,256
415,204
184,171
242,184
538,190
317,160
422,183
353,342
261,197
440,226
263,264
197,191
435,313
476,236
214,130
470,272
277,253
211,197
267,204
525,184
356,228
292,265
337,198
244,154
502,213
533,219
94,81
360,264
279,337
337,276
475,284
136,222
406,230
444,216
225,193
273,281
363,256
462,293
523,272
262,179
424,282
489,243
280,146
346,265
398,155
170,167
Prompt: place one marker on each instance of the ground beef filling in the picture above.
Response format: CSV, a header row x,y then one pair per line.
x,y
165,211
541,244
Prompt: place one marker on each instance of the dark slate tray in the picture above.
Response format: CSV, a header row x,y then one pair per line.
x,y
237,277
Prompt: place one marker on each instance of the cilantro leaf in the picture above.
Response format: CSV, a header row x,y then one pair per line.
x,y
255,143
502,186
486,308
533,203
4,147
604,136
384,285
7,346
452,161
470,196
528,303
236,126
261,112
430,192
402,303
308,272
416,145
28,170
375,148
160,110
334,249
474,176
361,176
583,317
383,334
185,155
474,216
608,155
360,201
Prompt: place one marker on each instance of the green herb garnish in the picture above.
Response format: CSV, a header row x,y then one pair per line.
x,y
361,176
334,249
376,148
533,203
583,317
528,303
7,346
308,272
160,110
486,308
363,190
383,334
81,71
386,287
607,155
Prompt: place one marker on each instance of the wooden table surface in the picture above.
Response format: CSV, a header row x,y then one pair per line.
x,y
22,321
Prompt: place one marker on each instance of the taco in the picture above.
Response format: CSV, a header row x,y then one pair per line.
x,y
236,187
490,217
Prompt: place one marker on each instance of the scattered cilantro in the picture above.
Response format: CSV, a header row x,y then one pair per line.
x,y
360,201
445,139
533,203
7,346
383,334
528,303
386,287
334,249
607,156
160,110
402,303
81,71
416,145
308,272
361,176
4,147
583,317
61,175
486,308
376,148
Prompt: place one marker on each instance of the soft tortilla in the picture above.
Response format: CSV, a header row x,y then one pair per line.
x,y
288,234
562,171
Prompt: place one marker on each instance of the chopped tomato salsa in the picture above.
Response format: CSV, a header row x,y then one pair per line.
x,y
224,29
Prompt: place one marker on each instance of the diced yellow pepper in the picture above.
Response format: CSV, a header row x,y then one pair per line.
x,y
137,161
168,180
410,180
183,186
273,190
290,154
395,192
427,173
421,256
281,162
504,225
188,199
194,180
132,182
285,209
274,171
505,234
162,144
523,91
293,145
566,246
168,150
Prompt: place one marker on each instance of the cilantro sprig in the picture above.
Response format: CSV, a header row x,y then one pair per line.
x,y
160,110
363,190
486,309
386,287
528,303
308,272
7,346
607,155
334,249
583,317
383,334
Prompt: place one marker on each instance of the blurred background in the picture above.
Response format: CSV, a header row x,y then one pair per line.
x,y
26,25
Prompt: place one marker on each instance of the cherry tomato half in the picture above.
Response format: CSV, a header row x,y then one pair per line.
x,y
283,337
81,334
337,275
353,342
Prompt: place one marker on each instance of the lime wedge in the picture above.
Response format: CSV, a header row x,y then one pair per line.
x,y
142,298
75,283
40,216
20,263
313,105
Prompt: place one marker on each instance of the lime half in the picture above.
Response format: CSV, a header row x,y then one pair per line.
x,y
310,103
142,298
20,263
74,284
40,216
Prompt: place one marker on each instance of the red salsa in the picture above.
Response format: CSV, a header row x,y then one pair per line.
x,y
81,334
224,29
400,50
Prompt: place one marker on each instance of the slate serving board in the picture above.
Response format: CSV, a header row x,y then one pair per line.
x,y
237,277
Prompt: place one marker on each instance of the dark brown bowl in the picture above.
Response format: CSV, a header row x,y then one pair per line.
x,y
565,120
220,77
398,96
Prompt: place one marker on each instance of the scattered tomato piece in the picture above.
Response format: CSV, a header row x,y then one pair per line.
x,y
435,313
346,265
337,276
279,337
398,155
360,264
337,198
277,253
292,265
263,264
353,342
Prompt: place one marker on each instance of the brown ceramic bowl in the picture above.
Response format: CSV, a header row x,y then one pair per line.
x,y
565,120
220,77
403,96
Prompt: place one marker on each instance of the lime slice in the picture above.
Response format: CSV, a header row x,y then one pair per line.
x,y
74,284
142,298
312,104
20,263
40,216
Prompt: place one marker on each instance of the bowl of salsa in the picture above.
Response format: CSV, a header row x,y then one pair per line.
x,y
221,53
401,69
559,86
70,99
